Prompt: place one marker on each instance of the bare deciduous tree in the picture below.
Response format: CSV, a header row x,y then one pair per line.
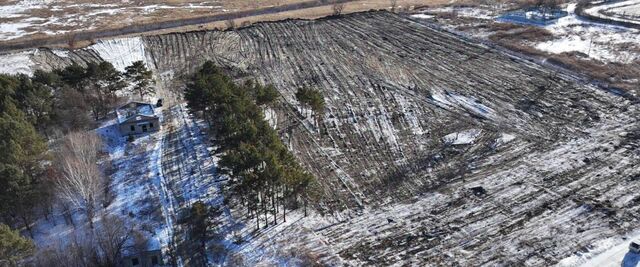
x,y
337,9
72,41
112,236
394,4
231,24
81,183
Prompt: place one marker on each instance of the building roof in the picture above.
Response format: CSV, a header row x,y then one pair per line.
x,y
134,109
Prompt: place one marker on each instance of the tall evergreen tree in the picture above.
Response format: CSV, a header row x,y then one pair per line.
x,y
36,101
104,82
203,224
21,149
141,78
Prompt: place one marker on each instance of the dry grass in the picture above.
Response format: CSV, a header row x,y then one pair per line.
x,y
309,13
77,16
615,74
516,34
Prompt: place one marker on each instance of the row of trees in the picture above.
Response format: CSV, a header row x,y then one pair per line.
x,y
265,177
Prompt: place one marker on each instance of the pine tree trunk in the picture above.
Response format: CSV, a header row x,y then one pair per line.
x,y
90,214
275,212
284,208
27,225
257,220
266,216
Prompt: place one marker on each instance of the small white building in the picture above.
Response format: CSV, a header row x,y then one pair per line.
x,y
137,118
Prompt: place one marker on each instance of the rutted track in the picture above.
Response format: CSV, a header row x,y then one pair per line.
x,y
394,88
189,178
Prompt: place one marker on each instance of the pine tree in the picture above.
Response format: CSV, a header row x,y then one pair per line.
x,y
35,100
265,95
13,247
141,78
313,99
104,82
21,149
202,222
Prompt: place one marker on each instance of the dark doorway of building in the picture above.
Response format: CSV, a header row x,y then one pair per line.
x,y
144,128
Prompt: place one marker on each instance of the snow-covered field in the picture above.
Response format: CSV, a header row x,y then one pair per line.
x,y
598,41
470,12
16,63
610,252
121,52
20,18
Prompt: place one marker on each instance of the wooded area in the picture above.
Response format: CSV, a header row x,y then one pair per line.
x,y
48,155
264,175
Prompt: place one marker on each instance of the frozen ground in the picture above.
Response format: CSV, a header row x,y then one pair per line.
x,y
570,34
20,18
550,175
628,11
599,41
16,63
135,189
120,52
611,252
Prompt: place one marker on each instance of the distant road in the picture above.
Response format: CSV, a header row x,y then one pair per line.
x,y
6,46
582,13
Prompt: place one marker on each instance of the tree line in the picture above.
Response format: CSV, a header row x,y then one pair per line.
x,y
264,176
47,155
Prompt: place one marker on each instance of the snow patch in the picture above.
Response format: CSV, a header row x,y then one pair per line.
x,y
612,251
61,53
272,117
13,30
505,138
596,40
470,12
121,52
465,137
17,63
422,16
449,100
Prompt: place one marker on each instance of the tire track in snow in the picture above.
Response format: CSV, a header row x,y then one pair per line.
x,y
168,200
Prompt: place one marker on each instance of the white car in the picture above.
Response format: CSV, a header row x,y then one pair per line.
x,y
634,246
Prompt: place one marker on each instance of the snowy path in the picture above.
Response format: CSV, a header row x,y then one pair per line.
x,y
608,253
179,177
191,175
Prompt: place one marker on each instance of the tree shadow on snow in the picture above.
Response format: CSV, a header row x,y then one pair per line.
x,y
631,259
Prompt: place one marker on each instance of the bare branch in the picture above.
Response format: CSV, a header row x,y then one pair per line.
x,y
82,183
